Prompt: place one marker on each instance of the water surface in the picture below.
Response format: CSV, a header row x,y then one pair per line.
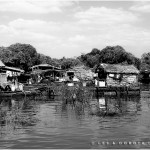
x,y
35,122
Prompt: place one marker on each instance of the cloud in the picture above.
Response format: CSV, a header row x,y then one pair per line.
x,y
95,27
103,15
77,38
34,25
104,26
29,32
31,6
143,7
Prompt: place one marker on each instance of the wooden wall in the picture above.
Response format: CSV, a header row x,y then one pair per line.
x,y
125,80
3,78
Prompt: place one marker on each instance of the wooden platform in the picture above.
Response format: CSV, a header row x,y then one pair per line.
x,y
29,90
17,93
117,91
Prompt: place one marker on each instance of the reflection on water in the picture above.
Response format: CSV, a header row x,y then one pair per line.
x,y
49,123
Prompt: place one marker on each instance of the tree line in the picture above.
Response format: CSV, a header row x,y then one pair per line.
x,y
25,56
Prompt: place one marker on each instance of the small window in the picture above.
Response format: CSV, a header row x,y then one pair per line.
x,y
115,76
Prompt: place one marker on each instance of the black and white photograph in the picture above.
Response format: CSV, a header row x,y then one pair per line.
x,y
74,74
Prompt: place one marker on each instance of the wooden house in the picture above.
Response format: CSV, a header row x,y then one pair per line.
x,y
116,75
9,74
3,76
47,71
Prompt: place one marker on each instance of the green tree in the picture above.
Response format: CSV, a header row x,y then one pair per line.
x,y
19,55
5,55
67,63
91,59
111,55
145,62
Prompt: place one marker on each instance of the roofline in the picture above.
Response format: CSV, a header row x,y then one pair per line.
x,y
122,72
47,70
131,72
13,69
45,65
2,64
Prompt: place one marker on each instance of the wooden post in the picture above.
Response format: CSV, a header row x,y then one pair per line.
x,y
50,92
127,91
97,92
118,90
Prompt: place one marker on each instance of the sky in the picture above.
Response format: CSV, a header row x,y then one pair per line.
x,y
59,28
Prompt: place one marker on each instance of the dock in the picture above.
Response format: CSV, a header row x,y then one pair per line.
x,y
115,91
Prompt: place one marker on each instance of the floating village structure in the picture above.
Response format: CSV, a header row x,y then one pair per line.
x,y
117,77
109,77
10,86
75,74
41,71
8,77
3,77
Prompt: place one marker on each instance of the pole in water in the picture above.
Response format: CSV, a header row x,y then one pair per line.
x,y
50,92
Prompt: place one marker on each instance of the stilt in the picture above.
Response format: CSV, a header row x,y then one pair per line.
x,y
127,90
50,92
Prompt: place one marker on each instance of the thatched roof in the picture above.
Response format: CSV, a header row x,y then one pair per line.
x,y
1,64
118,68
82,72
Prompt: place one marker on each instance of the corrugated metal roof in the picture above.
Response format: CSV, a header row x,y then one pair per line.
x,y
45,65
13,69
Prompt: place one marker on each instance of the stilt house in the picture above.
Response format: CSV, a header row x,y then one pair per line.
x,y
47,71
3,76
116,75
8,76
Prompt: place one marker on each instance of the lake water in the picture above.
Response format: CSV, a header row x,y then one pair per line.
x,y
34,122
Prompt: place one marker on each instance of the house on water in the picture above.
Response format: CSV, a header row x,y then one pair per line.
x,y
116,75
8,76
3,77
46,71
